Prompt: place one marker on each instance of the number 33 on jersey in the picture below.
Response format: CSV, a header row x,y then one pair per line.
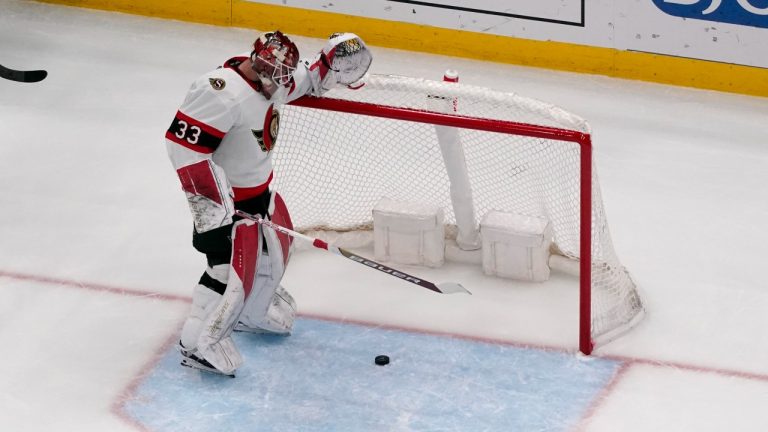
x,y
226,119
201,138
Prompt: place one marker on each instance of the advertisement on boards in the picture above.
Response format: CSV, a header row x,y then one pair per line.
x,y
742,12
725,31
566,12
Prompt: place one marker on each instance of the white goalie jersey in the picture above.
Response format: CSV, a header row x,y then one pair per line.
x,y
226,119
220,142
222,136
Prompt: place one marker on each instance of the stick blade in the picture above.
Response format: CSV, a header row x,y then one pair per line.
x,y
22,76
452,288
34,76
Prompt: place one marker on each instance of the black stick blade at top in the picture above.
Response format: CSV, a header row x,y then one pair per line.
x,y
22,76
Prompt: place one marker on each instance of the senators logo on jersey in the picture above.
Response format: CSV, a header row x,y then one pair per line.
x,y
217,83
271,126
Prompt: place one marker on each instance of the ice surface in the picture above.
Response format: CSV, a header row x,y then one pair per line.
x,y
323,378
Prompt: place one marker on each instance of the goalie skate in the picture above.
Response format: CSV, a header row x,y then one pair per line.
x,y
190,360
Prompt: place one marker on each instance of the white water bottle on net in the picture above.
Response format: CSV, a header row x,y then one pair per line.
x,y
338,155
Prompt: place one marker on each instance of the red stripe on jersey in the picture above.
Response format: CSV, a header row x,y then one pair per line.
x,y
204,127
267,130
245,193
182,141
198,179
194,134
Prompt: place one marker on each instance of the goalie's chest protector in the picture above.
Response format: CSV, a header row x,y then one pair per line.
x,y
245,151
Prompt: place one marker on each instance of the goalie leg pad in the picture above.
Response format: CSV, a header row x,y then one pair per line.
x,y
270,308
204,301
262,299
215,344
278,213
281,313
279,318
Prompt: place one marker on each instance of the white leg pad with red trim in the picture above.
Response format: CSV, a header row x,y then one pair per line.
x,y
270,308
281,313
215,341
204,301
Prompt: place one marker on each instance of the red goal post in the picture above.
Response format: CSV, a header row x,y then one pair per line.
x,y
338,154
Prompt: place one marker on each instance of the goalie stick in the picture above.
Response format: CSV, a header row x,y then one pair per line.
x,y
442,288
22,76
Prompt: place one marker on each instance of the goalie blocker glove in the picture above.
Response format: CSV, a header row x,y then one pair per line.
x,y
344,60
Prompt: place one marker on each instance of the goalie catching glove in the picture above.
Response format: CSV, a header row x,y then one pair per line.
x,y
344,60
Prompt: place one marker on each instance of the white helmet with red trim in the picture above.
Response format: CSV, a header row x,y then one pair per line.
x,y
274,59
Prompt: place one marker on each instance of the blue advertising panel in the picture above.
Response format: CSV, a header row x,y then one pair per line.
x,y
752,13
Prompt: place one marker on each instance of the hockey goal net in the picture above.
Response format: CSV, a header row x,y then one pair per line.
x,y
339,154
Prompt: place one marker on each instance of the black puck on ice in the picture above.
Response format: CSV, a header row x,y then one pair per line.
x,y
381,360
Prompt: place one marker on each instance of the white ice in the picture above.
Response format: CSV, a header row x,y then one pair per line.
x,y
96,265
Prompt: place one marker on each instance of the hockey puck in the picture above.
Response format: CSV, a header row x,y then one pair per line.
x,y
381,360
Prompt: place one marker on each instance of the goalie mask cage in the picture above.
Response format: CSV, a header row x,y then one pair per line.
x,y
339,154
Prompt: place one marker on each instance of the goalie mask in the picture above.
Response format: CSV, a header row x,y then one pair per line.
x,y
274,59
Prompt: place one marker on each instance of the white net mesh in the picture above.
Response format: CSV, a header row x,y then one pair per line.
x,y
332,168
